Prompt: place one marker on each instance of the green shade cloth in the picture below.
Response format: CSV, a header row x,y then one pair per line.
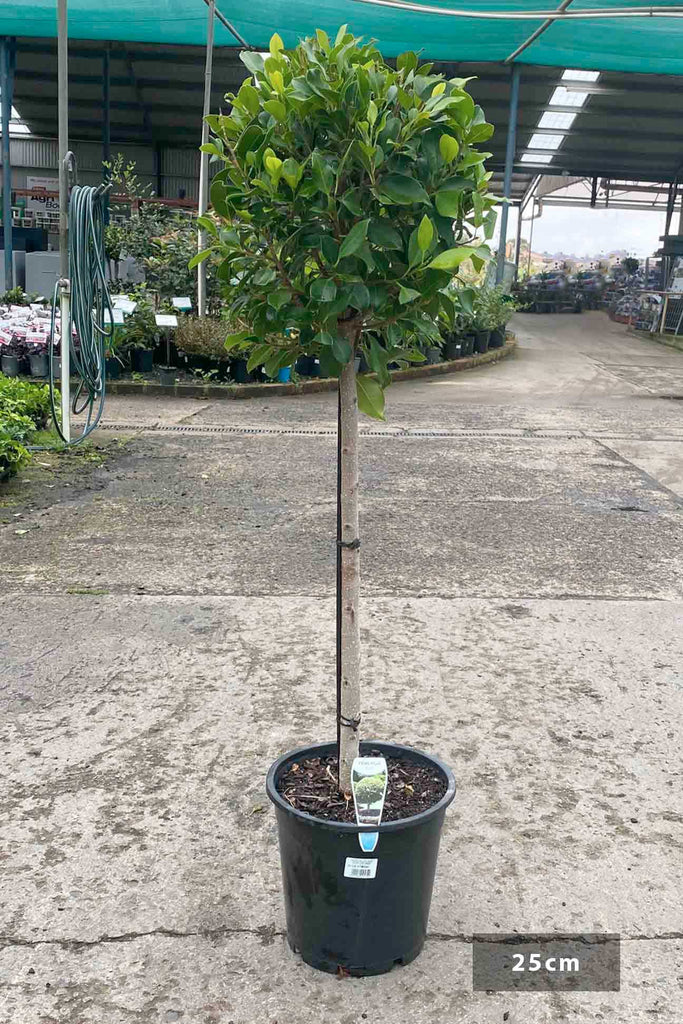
x,y
652,45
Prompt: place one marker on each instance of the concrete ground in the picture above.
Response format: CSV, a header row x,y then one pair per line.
x,y
168,630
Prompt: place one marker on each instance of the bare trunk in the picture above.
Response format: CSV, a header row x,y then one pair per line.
x,y
350,577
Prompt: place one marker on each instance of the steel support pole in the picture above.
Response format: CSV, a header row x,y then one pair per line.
x,y
518,241
509,164
204,160
106,122
64,291
106,106
6,88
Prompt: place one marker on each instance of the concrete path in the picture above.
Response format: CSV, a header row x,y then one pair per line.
x,y
168,629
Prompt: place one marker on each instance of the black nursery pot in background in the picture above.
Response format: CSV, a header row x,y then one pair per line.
x,y
497,338
10,366
238,369
481,341
363,925
142,360
113,367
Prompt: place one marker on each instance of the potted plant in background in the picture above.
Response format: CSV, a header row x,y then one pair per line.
x,y
202,340
141,336
114,344
352,193
501,306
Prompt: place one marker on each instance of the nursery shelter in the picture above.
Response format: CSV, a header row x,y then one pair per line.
x,y
586,89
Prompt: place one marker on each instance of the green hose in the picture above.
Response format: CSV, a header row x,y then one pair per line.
x,y
89,302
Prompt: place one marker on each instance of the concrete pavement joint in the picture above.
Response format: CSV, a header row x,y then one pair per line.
x,y
267,934
651,480
263,932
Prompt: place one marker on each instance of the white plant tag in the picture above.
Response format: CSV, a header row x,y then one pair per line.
x,y
166,320
360,867
369,778
118,316
182,302
127,305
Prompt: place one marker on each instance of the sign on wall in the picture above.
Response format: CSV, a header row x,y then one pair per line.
x,y
38,201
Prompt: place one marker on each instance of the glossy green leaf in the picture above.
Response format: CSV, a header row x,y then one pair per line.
x,y
276,108
408,295
452,258
407,61
341,349
248,97
323,290
354,240
448,202
359,296
263,277
425,233
199,257
381,233
276,44
279,298
370,397
234,340
449,148
252,61
402,190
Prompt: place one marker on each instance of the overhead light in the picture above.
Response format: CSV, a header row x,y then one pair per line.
x,y
545,141
556,119
562,97
581,76
536,158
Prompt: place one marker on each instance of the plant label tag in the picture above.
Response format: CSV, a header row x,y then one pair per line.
x,y
369,778
360,867
182,302
166,320
118,316
125,304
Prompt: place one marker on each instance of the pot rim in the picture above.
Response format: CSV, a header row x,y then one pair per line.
x,y
390,749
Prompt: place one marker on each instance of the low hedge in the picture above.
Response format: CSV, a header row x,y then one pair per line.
x,y
24,408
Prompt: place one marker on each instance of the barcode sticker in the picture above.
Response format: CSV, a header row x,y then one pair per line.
x,y
360,867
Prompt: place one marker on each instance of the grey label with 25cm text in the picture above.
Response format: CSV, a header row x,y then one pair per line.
x,y
546,962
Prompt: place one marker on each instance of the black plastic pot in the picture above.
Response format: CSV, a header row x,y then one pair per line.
x,y
364,925
142,360
167,375
39,364
10,366
433,355
113,367
453,350
497,338
307,366
468,345
238,368
481,341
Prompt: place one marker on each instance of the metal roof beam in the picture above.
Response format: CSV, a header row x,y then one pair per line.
x,y
589,168
179,56
534,35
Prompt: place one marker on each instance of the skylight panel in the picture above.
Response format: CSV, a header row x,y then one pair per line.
x,y
545,141
536,158
562,97
556,119
581,76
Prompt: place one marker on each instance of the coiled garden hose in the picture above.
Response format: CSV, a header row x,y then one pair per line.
x,y
89,302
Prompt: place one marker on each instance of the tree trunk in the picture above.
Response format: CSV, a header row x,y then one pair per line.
x,y
349,708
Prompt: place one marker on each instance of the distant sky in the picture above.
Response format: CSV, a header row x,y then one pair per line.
x,y
582,231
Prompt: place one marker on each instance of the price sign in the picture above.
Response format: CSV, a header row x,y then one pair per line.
x,y
166,320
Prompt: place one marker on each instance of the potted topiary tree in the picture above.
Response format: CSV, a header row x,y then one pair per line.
x,y
351,195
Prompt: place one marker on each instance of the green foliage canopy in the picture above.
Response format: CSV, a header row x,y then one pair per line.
x,y
351,194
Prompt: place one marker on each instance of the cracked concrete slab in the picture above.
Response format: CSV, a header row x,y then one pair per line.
x,y
521,617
